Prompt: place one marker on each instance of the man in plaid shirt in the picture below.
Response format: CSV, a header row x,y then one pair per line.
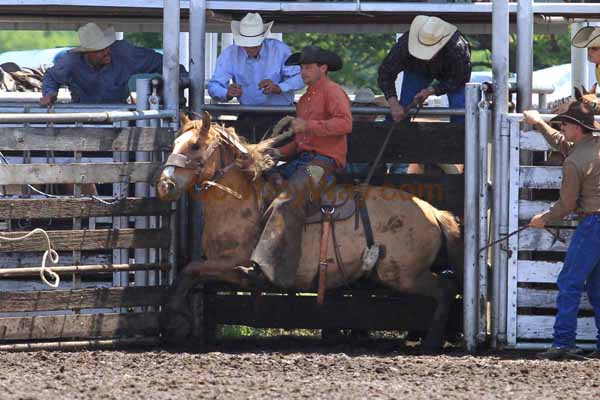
x,y
435,58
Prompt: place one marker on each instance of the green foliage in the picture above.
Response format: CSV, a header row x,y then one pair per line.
x,y
150,40
551,50
31,40
233,331
361,53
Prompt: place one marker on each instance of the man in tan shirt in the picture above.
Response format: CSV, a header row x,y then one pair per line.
x,y
579,192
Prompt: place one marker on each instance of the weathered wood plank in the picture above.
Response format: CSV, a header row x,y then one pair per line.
x,y
80,208
540,177
538,271
49,300
538,298
529,208
99,239
87,139
24,260
405,312
423,142
533,140
79,326
77,173
542,240
78,269
541,327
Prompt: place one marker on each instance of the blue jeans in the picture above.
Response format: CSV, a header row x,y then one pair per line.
x,y
581,270
414,82
304,159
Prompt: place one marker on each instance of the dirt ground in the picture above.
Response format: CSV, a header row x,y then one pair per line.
x,y
292,368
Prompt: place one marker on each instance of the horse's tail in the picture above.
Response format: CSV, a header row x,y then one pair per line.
x,y
453,238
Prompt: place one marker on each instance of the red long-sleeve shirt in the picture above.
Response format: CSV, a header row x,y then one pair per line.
x,y
326,108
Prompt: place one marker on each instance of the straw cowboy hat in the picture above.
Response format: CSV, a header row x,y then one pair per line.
x,y
579,113
427,36
366,96
94,38
587,37
250,31
316,55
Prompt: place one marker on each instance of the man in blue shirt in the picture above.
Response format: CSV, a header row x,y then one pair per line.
x,y
253,70
99,69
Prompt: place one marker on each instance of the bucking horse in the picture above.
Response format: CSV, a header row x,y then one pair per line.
x,y
228,175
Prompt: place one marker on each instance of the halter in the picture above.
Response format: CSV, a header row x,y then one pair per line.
x,y
183,161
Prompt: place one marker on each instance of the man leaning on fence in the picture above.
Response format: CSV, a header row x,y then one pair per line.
x,y
435,58
98,71
253,70
579,192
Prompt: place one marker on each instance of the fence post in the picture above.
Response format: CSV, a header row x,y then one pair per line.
x,y
471,216
142,90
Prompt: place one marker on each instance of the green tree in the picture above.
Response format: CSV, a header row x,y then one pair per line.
x,y
362,54
20,40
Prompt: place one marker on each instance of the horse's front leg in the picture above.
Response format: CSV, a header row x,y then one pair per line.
x,y
179,320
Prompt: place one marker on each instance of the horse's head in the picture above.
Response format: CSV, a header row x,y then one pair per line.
x,y
197,156
205,152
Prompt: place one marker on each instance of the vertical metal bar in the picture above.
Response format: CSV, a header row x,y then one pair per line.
x,y
500,25
77,225
226,41
154,104
142,90
504,190
470,216
482,299
171,54
578,61
197,76
524,54
197,53
120,256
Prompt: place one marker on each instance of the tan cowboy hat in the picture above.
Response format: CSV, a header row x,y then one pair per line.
x,y
427,36
587,37
250,31
94,38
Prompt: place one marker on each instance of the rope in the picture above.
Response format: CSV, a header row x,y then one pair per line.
x,y
49,252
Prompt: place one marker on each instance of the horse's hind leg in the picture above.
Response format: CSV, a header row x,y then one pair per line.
x,y
443,291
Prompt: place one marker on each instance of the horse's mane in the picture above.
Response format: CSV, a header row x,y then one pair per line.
x,y
255,162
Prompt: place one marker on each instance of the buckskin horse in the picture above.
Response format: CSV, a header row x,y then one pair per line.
x,y
229,173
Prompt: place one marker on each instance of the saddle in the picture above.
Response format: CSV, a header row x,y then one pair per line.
x,y
339,201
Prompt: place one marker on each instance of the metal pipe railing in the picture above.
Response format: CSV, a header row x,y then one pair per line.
x,y
500,51
236,109
471,217
524,54
108,116
482,300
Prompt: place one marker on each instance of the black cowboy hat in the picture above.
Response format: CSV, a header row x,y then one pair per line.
x,y
580,114
316,55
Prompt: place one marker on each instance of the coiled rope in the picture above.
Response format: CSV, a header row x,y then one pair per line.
x,y
49,252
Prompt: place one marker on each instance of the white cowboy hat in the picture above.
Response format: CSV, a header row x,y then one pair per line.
x,y
94,38
250,31
588,36
428,35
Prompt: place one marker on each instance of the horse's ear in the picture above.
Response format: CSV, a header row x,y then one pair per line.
x,y
183,118
578,94
593,89
206,120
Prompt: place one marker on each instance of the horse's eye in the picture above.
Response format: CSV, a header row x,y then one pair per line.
x,y
195,146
